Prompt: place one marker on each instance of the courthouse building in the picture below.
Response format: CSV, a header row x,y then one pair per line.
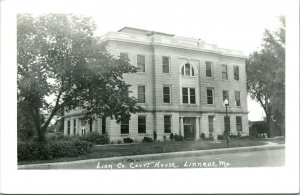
x,y
182,83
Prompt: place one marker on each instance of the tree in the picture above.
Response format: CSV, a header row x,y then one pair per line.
x,y
58,57
266,76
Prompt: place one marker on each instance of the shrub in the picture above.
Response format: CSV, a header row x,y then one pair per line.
x,y
165,138
54,149
119,142
220,137
95,138
147,139
128,140
178,137
171,136
202,136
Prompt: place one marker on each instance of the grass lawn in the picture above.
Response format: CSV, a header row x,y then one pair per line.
x,y
152,148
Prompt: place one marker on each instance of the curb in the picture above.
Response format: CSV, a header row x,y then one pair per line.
x,y
159,156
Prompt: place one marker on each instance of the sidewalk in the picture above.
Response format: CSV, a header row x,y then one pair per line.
x,y
158,156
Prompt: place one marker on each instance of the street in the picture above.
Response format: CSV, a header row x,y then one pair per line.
x,y
267,158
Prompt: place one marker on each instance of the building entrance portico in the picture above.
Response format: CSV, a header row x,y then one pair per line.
x,y
190,128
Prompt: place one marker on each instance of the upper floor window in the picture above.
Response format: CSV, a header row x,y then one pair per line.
x,y
188,95
239,123
210,96
208,69
167,94
124,126
224,72
187,70
236,73
226,96
141,63
166,64
141,124
141,94
237,95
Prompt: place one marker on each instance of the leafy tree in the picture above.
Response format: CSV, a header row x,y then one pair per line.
x,y
266,76
58,57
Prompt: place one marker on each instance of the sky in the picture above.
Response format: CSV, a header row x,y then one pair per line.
x,y
231,24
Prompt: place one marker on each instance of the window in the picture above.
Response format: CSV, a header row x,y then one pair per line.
x,y
208,69
167,123
236,73
141,94
124,56
188,95
211,123
227,123
226,96
141,124
237,98
224,72
91,124
124,126
187,70
141,63
210,96
74,129
167,94
103,125
239,123
69,127
166,64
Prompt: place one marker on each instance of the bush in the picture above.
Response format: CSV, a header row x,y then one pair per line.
x,y
178,137
165,138
95,138
55,149
171,136
220,137
128,140
147,139
202,136
119,142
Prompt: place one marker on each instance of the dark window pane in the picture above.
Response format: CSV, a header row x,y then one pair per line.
x,y
227,123
192,96
141,94
237,98
187,69
141,63
103,125
236,73
211,123
239,123
124,126
141,124
166,63
185,96
182,70
69,127
210,98
166,94
167,124
74,123
193,74
224,72
208,69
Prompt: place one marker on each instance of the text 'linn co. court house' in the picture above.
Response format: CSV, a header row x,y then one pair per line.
x,y
182,83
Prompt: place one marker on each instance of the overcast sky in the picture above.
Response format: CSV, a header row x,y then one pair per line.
x,y
234,24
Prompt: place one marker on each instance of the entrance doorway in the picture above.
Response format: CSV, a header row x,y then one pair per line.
x,y
189,128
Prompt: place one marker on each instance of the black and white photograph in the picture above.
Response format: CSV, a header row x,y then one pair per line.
x,y
191,96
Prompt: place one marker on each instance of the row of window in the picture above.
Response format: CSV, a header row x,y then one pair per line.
x,y
186,70
226,123
189,95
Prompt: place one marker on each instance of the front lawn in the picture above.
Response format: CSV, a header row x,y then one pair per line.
x,y
152,148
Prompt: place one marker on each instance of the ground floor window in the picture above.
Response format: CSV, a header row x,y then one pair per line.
x,y
167,124
124,126
91,125
239,123
74,122
227,123
69,127
211,123
103,125
141,124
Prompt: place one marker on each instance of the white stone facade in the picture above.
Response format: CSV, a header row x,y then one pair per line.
x,y
191,98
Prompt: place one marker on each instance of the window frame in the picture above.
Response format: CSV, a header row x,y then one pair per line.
x,y
69,127
227,123
210,63
168,125
74,126
226,66
236,75
191,72
211,123
163,65
138,94
237,101
170,94
225,97
124,124
213,95
143,64
239,124
188,95
144,125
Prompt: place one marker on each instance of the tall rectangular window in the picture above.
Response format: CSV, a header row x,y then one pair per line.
x,y
226,96
236,73
188,95
167,94
239,123
141,124
141,63
224,72
208,69
211,123
167,124
124,126
227,123
69,127
91,125
187,69
237,98
74,128
210,96
166,64
141,94
103,125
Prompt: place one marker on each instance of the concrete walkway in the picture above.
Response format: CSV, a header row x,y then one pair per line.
x,y
158,156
